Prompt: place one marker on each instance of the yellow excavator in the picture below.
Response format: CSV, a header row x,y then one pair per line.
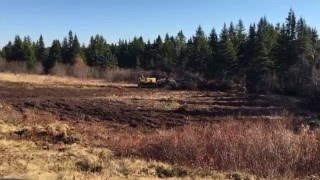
x,y
147,81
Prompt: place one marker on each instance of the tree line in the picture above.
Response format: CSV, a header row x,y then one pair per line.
x,y
278,56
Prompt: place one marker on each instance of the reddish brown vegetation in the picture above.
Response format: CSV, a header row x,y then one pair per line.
x,y
267,149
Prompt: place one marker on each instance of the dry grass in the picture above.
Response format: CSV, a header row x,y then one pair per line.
x,y
24,159
80,70
56,81
267,149
32,158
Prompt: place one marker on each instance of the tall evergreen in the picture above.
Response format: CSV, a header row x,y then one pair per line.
x,y
7,51
266,40
122,53
200,52
156,52
169,54
136,50
214,45
240,43
28,53
227,56
17,49
213,40
65,53
53,57
75,50
40,50
181,50
249,51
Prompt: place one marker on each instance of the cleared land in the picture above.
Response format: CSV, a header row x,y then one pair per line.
x,y
53,127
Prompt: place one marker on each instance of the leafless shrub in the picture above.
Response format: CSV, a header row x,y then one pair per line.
x,y
84,71
304,80
121,75
19,67
270,150
269,82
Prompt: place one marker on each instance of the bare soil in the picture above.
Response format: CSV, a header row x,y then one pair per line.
x,y
151,108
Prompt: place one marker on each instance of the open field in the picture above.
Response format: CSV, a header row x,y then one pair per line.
x,y
72,128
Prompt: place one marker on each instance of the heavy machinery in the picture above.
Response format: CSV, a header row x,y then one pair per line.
x,y
147,81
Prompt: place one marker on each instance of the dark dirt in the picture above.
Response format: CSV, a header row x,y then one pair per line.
x,y
94,103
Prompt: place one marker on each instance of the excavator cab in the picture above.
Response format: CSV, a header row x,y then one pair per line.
x,y
146,81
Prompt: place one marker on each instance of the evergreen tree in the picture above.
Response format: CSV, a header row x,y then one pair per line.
x,y
65,53
169,54
263,61
181,51
227,57
213,40
17,49
250,49
71,49
54,56
75,50
147,56
28,53
233,35
156,51
41,53
240,42
265,43
123,54
136,50
200,52
70,39
291,26
99,54
286,51
7,51
214,45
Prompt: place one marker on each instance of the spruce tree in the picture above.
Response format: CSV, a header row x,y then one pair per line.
x,y
53,57
28,53
263,61
123,54
227,57
181,50
65,51
75,50
213,40
291,53
240,43
200,52
41,53
136,49
17,50
7,51
156,52
214,45
249,51
169,54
